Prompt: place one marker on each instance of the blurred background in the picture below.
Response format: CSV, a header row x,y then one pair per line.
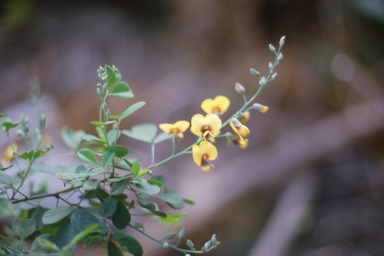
x,y
311,180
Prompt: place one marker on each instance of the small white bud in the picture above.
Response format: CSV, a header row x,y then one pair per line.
x,y
280,57
274,76
282,41
239,88
271,48
270,65
255,73
262,81
165,245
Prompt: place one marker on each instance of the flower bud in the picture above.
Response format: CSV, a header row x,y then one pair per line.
x,y
101,68
271,48
282,41
236,122
280,57
255,73
99,91
262,81
213,239
270,65
274,76
239,88
261,108
165,245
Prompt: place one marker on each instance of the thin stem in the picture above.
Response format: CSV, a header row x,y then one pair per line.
x,y
55,194
152,153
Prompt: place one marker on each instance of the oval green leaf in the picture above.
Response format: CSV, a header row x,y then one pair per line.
x,y
119,187
108,207
143,132
113,250
121,217
56,214
81,219
122,90
147,187
88,156
132,109
129,242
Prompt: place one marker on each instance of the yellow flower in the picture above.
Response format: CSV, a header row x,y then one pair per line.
x,y
177,128
216,106
245,116
203,152
8,154
243,143
207,126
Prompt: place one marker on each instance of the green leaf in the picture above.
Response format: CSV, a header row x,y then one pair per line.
x,y
25,228
129,242
5,178
160,178
1,115
147,187
42,151
173,218
173,199
98,123
27,155
113,250
136,168
187,201
91,184
108,207
132,109
113,135
156,182
88,156
122,90
119,187
143,132
71,138
160,214
93,138
142,172
100,132
88,230
147,204
38,215
6,208
121,217
113,76
108,156
64,236
120,151
81,219
57,214
54,227
101,194
162,137
9,125
43,245
94,240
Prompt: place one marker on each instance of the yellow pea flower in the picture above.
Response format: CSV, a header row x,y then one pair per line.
x,y
177,128
240,141
216,106
263,109
203,152
245,116
209,125
8,154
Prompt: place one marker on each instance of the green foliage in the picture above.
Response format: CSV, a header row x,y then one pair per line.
x,y
113,190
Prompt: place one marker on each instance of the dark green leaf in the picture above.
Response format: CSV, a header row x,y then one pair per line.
x,y
38,215
108,207
129,242
64,237
101,194
94,240
53,228
160,214
113,250
173,199
91,185
88,156
88,230
143,132
119,187
122,90
160,178
121,217
147,204
81,219
25,228
57,214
